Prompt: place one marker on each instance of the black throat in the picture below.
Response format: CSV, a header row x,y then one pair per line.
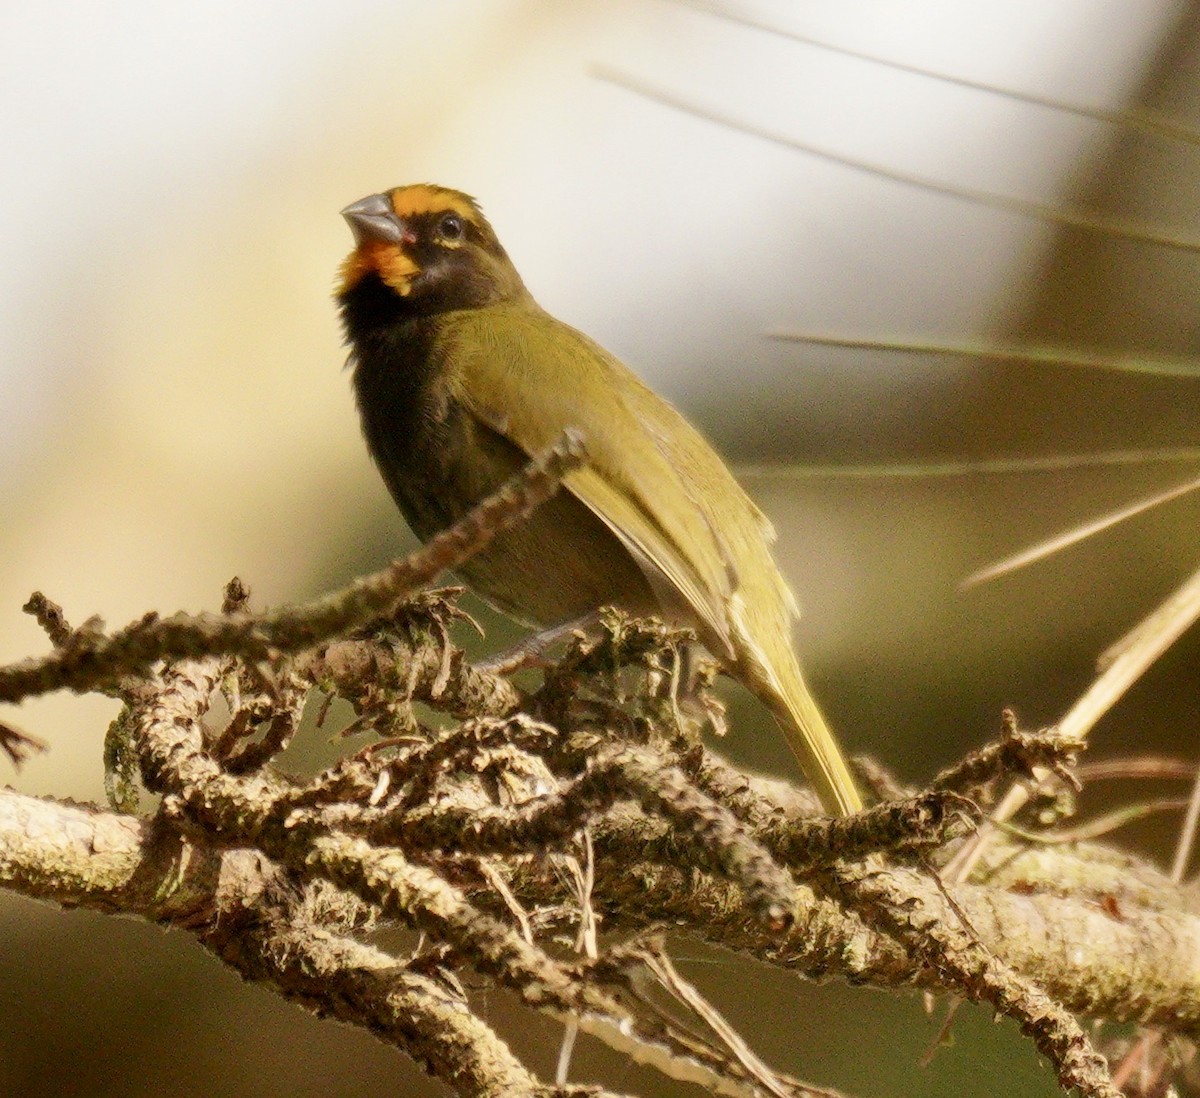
x,y
371,306
394,371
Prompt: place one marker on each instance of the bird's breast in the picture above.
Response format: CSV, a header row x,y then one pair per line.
x,y
438,461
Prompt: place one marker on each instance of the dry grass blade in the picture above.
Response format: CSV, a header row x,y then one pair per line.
x,y
1022,207
1100,825
584,878
1151,123
1187,834
495,878
1146,766
1154,365
660,965
1065,540
969,467
1128,660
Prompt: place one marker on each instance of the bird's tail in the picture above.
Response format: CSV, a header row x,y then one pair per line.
x,y
809,736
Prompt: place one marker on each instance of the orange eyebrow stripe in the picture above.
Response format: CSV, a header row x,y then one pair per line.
x,y
422,198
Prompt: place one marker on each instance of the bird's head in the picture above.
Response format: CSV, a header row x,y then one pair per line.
x,y
423,249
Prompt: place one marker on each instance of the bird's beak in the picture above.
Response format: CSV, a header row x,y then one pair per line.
x,y
372,218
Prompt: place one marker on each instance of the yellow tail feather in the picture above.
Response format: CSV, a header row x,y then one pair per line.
x,y
810,739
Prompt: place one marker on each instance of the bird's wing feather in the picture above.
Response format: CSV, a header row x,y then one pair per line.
x,y
742,533
545,376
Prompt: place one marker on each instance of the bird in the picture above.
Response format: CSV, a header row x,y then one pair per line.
x,y
460,377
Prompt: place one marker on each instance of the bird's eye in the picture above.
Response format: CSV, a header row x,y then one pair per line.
x,y
451,227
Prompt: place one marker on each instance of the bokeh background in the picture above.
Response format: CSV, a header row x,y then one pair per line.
x,y
173,409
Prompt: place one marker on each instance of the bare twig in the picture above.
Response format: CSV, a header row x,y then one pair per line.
x,y
94,659
1121,666
18,745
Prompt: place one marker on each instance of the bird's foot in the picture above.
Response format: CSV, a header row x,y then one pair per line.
x,y
532,651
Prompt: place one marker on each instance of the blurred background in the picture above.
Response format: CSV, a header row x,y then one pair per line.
x,y
173,409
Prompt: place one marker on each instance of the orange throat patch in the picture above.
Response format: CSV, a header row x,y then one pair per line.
x,y
387,260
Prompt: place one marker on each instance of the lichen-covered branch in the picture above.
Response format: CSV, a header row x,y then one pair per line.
x,y
1129,962
529,812
920,914
232,900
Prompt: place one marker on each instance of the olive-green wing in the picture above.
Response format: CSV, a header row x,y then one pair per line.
x,y
528,377
661,489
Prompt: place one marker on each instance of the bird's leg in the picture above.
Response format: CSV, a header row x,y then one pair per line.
x,y
531,652
693,698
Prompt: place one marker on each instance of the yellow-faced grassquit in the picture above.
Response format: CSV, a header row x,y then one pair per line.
x,y
460,376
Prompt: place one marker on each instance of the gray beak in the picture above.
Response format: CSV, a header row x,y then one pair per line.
x,y
372,218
